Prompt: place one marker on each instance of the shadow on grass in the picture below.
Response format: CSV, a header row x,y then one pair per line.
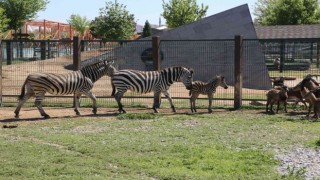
x,y
59,117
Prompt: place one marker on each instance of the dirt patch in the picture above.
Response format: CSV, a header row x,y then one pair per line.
x,y
192,123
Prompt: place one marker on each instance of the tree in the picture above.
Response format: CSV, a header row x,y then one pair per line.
x,y
18,11
146,29
81,24
3,20
180,12
287,12
114,22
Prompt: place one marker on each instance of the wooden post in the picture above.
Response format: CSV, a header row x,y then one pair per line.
x,y
156,53
156,66
76,58
9,49
318,53
0,74
238,66
311,52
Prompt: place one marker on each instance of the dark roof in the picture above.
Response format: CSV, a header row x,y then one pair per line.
x,y
288,31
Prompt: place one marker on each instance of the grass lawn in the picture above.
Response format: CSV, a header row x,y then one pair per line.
x,y
223,145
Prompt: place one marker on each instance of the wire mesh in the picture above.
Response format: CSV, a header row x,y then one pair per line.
x,y
208,58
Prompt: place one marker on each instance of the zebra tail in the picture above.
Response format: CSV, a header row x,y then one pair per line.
x,y
23,90
113,89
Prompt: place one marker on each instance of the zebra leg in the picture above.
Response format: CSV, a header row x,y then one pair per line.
x,y
156,101
210,96
94,101
118,97
38,103
77,103
170,100
21,102
193,99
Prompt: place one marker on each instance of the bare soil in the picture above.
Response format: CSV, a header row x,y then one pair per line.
x,y
28,114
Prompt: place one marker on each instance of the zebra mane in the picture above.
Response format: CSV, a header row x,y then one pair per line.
x,y
215,79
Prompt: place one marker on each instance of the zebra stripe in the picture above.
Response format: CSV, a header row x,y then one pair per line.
x,y
206,88
77,82
148,81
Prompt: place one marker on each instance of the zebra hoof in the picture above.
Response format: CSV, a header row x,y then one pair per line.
x,y
46,116
16,116
94,111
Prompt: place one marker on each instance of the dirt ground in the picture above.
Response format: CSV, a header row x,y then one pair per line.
x,y
31,114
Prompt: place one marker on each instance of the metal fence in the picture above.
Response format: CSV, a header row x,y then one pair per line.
x,y
297,57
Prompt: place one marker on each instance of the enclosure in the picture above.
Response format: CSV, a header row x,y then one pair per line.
x,y
208,58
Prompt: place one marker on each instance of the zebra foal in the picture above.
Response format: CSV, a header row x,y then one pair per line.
x,y
208,88
77,83
147,81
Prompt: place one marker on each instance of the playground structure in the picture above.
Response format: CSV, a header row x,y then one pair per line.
x,y
46,29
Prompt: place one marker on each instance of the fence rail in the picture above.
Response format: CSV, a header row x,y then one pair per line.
x,y
236,58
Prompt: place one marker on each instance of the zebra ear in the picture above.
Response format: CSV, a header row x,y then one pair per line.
x,y
106,62
191,70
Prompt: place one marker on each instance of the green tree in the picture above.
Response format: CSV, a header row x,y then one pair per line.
x,y
146,29
18,11
287,12
81,24
3,20
114,22
180,12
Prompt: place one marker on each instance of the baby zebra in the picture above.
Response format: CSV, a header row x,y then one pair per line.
x,y
208,88
76,82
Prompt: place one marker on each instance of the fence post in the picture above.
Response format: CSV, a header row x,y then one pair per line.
x,y
43,50
76,58
9,52
318,53
76,53
0,74
282,54
156,65
238,66
156,53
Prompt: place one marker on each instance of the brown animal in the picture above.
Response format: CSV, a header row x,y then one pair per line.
x,y
308,99
276,96
278,81
316,103
311,85
296,94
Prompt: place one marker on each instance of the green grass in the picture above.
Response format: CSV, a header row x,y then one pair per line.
x,y
223,145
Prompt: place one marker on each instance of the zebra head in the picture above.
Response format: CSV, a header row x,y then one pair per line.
x,y
110,69
187,77
222,82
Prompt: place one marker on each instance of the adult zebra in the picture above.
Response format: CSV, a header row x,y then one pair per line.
x,y
77,83
147,81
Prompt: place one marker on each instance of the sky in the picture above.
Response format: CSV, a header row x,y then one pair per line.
x,y
61,10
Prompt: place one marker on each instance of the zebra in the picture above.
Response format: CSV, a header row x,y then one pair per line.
x,y
147,81
208,88
76,82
